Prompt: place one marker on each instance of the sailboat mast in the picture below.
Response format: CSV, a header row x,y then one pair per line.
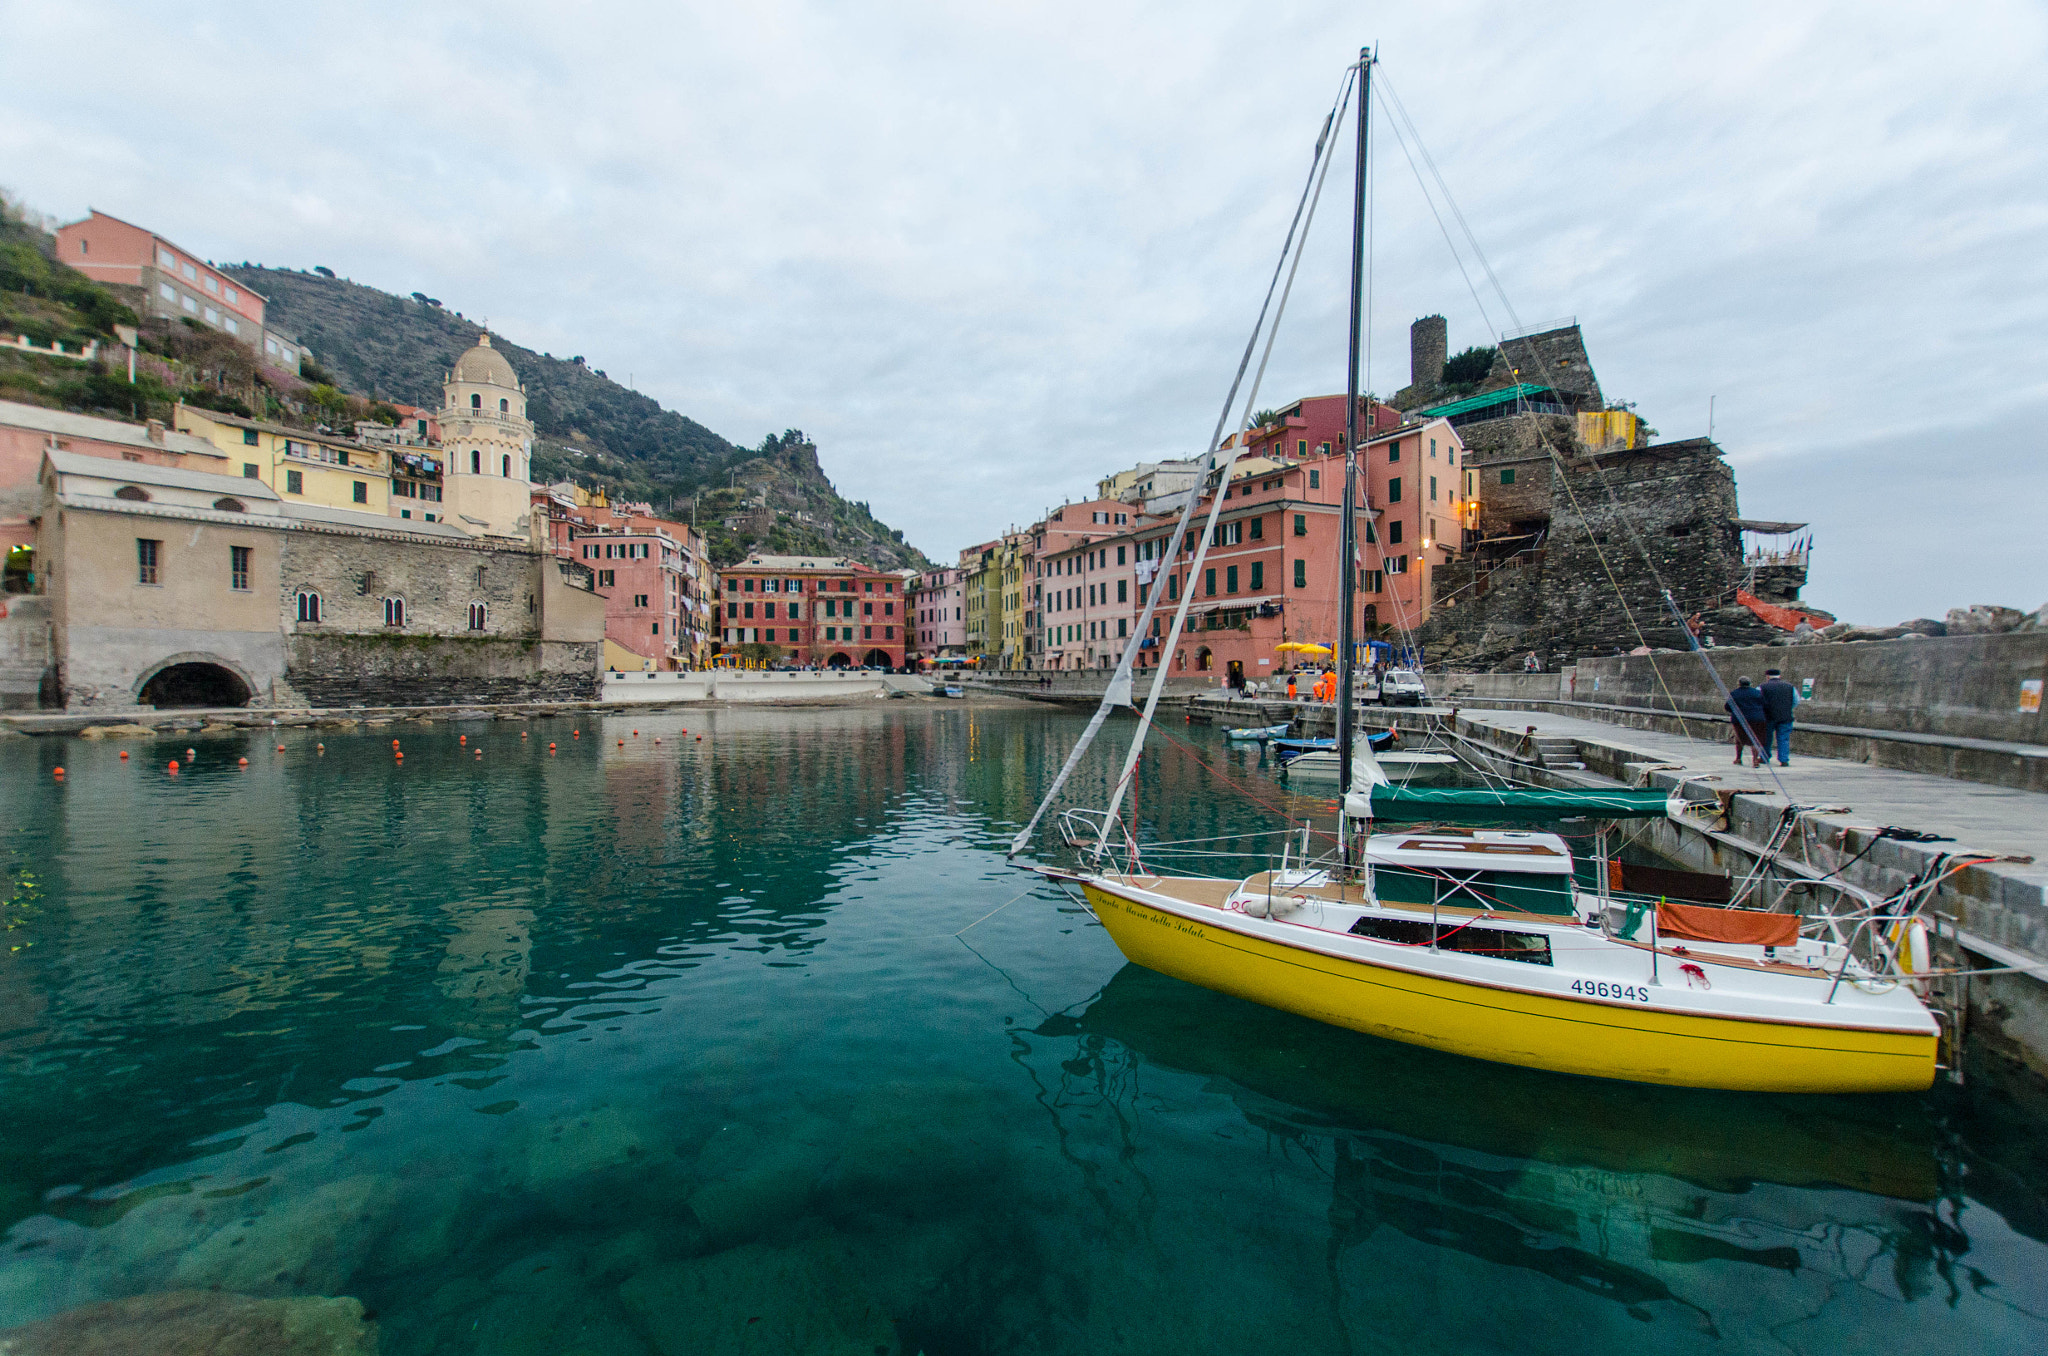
x,y
1347,551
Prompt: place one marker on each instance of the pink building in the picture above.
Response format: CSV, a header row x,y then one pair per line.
x,y
650,572
1271,573
938,609
161,279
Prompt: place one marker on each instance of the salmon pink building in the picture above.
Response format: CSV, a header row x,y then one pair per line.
x,y
159,278
819,611
651,573
1272,573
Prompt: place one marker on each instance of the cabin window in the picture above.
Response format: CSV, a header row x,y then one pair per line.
x,y
1530,948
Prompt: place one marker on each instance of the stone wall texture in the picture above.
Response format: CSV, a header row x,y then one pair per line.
x,y
1621,528
354,574
340,670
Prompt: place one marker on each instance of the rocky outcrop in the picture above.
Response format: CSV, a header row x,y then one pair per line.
x,y
200,1323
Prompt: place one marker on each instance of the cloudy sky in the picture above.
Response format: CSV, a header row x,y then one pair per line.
x,y
984,254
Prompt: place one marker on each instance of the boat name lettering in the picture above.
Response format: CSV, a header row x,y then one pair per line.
x,y
1594,988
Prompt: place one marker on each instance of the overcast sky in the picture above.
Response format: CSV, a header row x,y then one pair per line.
x,y
984,254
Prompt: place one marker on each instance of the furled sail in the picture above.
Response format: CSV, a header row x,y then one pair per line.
x,y
1519,805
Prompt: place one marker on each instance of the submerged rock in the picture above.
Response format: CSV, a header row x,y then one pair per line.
x,y
314,1241
200,1323
801,1301
116,731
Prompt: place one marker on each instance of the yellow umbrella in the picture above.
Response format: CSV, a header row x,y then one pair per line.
x,y
1300,647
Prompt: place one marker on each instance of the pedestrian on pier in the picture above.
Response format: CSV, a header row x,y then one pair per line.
x,y
1780,697
1747,712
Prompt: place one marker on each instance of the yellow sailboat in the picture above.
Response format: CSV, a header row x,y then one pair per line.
x,y
1483,942
1520,966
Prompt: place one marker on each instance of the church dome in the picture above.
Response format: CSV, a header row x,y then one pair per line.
x,y
486,366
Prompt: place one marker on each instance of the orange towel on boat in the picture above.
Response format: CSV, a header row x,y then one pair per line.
x,y
1749,927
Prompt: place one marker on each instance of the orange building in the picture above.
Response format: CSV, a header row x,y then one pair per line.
x,y
820,611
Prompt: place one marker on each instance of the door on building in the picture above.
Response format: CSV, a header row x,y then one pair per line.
x,y
1236,670
1204,660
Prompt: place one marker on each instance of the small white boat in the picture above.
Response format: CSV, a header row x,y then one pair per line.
x,y
1417,767
1260,733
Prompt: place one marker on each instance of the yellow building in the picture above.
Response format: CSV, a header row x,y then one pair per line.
x,y
303,467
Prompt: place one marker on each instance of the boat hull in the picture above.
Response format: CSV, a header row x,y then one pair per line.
x,y
1509,1026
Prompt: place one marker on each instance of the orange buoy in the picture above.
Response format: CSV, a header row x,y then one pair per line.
x,y
636,734
280,748
191,753
242,761
124,755
575,734
657,739
174,765
394,743
462,739
399,756
700,739
522,734
58,772
321,747
551,744
622,743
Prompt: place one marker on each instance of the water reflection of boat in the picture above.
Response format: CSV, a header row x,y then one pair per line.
x,y
1282,1069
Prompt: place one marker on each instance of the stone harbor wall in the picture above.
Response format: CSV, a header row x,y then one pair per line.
x,y
371,669
1577,584
1959,686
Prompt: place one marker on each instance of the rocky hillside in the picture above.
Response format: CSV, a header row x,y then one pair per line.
x,y
591,429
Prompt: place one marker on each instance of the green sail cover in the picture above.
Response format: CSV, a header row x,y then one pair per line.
x,y
1470,805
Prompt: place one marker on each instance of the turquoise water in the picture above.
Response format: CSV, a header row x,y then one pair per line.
x,y
682,1048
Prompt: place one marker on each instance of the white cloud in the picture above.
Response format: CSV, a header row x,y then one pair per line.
x,y
986,253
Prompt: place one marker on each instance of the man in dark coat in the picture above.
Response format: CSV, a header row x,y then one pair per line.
x,y
1779,699
1746,713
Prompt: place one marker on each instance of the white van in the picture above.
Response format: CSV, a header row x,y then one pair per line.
x,y
1402,687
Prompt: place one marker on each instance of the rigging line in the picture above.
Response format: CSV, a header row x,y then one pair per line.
x,y
1118,686
1443,186
1217,500
1543,438
1430,200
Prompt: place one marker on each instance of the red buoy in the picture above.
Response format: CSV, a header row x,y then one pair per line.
x,y
174,765
58,772
575,734
462,739
124,755
280,748
191,753
242,761
394,743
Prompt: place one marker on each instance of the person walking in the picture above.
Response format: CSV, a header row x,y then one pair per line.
x,y
1780,697
1747,713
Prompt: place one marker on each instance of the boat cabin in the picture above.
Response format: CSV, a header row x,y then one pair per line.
x,y
1494,869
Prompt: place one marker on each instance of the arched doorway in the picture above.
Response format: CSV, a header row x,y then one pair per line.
x,y
1204,660
839,661
194,683
876,659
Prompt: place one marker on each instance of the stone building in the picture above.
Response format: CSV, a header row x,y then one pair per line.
x,y
174,587
1574,550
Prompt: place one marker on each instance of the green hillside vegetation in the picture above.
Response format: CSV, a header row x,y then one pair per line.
x,y
591,429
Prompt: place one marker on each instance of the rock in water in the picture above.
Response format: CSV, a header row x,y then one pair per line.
x,y
802,1301
200,1323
